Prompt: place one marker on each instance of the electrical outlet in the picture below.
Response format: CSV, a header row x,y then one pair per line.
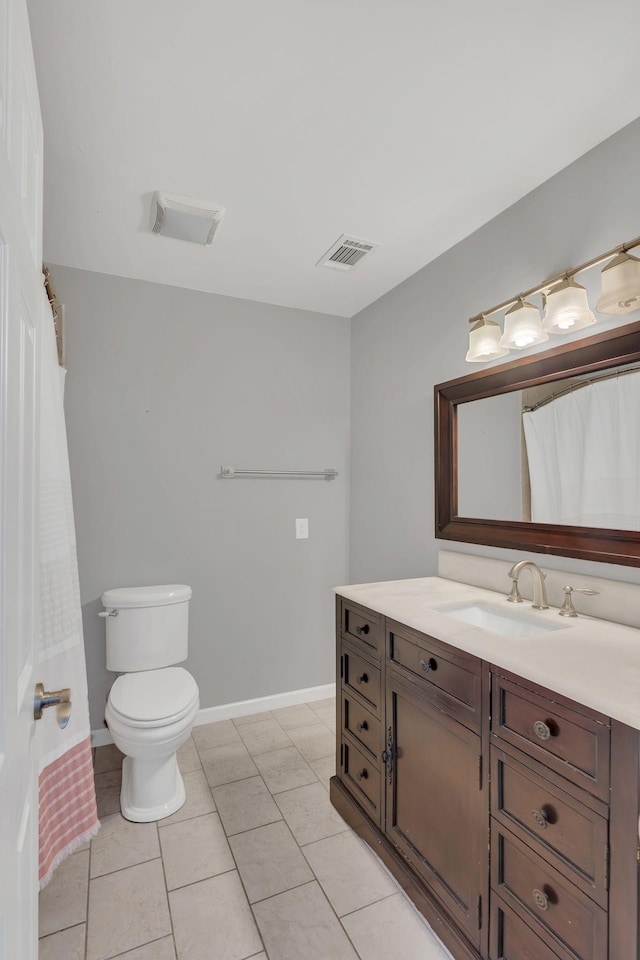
x,y
302,529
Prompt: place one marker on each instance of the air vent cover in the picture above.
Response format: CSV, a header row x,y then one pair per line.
x,y
185,219
346,252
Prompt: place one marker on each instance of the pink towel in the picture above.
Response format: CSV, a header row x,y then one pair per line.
x,y
67,807
68,814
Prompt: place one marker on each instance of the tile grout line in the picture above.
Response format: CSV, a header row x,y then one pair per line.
x,y
127,953
54,933
246,896
166,890
139,863
86,915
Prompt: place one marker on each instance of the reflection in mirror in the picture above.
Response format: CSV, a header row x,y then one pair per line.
x,y
564,452
489,458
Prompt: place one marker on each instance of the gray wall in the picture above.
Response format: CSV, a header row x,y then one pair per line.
x,y
164,386
416,336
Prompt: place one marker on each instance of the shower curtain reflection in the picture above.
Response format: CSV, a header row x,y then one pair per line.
x,y
584,456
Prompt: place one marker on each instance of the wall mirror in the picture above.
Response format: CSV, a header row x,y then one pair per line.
x,y
543,454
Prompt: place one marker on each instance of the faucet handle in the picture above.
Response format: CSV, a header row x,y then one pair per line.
x,y
514,596
568,609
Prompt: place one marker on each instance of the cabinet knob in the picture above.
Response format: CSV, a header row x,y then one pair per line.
x,y
429,664
364,629
363,726
540,818
363,678
541,900
541,730
363,775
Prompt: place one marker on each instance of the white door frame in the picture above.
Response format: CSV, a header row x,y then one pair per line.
x,y
23,310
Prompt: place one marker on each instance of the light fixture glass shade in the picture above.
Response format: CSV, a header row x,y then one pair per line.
x,y
484,342
620,286
567,308
522,327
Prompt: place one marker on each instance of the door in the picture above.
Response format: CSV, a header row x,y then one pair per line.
x,y
434,802
22,311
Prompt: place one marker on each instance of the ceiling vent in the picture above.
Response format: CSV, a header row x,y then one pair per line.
x,y
185,219
346,252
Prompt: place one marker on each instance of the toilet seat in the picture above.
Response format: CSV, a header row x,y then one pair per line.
x,y
153,698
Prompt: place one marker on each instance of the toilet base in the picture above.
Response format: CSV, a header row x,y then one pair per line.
x,y
151,789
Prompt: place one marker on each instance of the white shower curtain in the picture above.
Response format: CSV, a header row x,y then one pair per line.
x,y
67,815
584,456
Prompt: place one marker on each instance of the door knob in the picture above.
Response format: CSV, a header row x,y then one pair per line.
x,y
60,699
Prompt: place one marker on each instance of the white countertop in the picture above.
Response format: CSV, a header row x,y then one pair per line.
x,y
594,662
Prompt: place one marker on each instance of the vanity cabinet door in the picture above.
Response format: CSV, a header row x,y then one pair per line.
x,y
434,802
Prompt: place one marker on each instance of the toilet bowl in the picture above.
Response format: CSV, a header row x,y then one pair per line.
x,y
150,715
153,704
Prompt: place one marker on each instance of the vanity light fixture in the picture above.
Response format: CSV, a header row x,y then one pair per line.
x,y
620,286
522,326
484,342
567,308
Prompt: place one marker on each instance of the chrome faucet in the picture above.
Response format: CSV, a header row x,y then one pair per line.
x,y
537,576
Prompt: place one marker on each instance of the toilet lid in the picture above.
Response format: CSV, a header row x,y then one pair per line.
x,y
153,694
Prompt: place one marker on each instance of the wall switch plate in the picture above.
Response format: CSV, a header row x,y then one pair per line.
x,y
302,529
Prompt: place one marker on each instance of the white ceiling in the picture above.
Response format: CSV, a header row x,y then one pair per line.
x,y
399,121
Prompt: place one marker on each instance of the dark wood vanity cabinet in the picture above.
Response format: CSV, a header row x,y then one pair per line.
x,y
508,813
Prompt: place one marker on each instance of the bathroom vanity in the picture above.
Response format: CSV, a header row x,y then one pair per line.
x,y
494,768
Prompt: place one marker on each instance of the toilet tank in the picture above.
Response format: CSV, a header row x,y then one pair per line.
x,y
150,628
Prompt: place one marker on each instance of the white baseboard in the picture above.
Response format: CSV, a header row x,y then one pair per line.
x,y
242,708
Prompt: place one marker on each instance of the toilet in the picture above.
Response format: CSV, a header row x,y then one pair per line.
x,y
153,704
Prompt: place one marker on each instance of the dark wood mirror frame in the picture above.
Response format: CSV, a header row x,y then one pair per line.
x,y
608,349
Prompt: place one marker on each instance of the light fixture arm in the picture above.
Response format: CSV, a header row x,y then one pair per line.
x,y
565,275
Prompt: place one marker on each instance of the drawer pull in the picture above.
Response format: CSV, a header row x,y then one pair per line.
x,y
541,900
429,664
364,629
362,726
541,730
363,775
540,818
363,678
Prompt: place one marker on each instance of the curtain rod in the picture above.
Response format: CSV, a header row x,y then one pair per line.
x,y
577,386
57,311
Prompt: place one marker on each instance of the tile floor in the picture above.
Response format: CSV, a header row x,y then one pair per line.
x,y
257,863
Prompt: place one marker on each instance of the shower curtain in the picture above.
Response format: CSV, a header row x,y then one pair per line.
x,y
67,802
584,456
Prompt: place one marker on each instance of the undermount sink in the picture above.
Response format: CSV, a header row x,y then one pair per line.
x,y
506,622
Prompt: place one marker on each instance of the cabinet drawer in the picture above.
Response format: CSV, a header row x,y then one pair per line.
x,y
569,833
361,776
574,744
361,678
511,939
362,725
567,914
450,678
363,627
